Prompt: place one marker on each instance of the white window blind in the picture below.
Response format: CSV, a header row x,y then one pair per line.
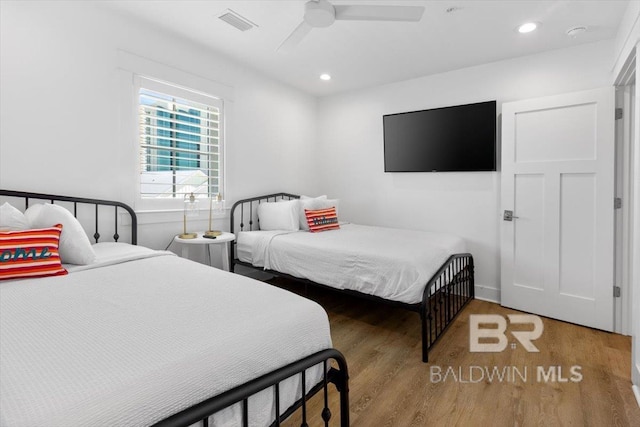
x,y
180,140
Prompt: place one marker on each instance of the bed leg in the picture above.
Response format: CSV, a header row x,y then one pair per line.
x,y
424,321
341,382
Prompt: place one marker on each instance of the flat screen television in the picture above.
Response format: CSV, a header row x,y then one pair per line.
x,y
460,138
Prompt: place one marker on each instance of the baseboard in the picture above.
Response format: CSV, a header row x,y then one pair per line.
x,y
636,392
487,293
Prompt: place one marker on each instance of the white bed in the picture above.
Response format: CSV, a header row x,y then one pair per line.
x,y
140,334
303,238
393,264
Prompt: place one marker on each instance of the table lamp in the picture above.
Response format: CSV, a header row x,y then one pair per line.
x,y
190,210
216,206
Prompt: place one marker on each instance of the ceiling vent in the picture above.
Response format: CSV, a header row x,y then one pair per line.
x,y
235,20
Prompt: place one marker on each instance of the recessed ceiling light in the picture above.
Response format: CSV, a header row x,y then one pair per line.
x,y
527,27
325,77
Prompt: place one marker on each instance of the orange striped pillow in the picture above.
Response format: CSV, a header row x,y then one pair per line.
x,y
322,219
30,253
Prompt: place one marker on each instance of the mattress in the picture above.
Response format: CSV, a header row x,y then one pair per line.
x,y
139,337
393,264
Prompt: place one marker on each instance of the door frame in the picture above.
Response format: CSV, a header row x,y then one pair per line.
x,y
624,189
626,82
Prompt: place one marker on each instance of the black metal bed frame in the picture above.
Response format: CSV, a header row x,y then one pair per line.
x,y
28,196
200,412
444,296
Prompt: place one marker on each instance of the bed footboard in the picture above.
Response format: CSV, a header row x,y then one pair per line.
x,y
338,376
446,294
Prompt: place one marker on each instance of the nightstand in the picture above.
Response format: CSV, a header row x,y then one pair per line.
x,y
224,239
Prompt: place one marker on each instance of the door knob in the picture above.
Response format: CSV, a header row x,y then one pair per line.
x,y
508,216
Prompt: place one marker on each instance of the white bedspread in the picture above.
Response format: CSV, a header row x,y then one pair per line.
x,y
128,344
393,264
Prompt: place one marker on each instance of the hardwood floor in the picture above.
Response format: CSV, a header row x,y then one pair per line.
x,y
390,386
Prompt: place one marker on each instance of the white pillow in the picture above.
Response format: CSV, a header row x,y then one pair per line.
x,y
313,204
11,219
75,247
282,215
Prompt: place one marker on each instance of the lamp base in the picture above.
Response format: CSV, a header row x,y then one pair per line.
x,y
188,235
212,233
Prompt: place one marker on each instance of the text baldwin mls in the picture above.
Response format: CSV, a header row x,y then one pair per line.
x,y
505,374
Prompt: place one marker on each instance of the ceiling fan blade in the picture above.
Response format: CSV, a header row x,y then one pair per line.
x,y
295,37
379,13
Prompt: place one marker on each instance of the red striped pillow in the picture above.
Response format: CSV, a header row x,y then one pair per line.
x,y
322,219
30,253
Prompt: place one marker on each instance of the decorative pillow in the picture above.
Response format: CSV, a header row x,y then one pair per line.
x,y
322,219
11,219
316,203
30,253
75,247
282,215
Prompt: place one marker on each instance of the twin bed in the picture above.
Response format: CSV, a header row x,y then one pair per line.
x,y
143,337
426,272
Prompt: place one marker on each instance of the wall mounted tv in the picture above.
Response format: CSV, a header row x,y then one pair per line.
x,y
460,138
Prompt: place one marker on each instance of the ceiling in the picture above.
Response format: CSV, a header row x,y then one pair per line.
x,y
451,35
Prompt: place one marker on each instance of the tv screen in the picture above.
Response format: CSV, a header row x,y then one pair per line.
x,y
461,138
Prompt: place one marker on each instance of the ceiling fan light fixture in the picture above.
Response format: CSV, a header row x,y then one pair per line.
x,y
319,13
528,27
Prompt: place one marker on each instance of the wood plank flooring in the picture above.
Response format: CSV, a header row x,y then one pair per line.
x,y
390,386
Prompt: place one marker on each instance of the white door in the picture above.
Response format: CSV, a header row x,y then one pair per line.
x,y
558,180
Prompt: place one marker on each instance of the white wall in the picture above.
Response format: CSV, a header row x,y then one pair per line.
x,y
350,148
60,102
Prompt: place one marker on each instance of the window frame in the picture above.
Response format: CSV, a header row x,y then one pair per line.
x,y
179,91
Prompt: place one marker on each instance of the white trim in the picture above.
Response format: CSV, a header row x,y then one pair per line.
x,y
636,392
174,215
189,94
486,293
627,37
135,64
623,216
141,80
130,68
634,273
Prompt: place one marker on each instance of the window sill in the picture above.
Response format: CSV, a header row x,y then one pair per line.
x,y
176,215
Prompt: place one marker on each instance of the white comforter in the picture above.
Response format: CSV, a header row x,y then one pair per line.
x,y
128,344
393,264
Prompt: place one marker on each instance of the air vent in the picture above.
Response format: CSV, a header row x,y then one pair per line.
x,y
234,19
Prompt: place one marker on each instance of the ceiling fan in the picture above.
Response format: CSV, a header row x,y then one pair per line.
x,y
321,13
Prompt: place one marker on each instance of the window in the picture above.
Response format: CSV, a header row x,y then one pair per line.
x,y
180,142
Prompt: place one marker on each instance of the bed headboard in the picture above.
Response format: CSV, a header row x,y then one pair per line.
x,y
245,212
244,217
73,203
